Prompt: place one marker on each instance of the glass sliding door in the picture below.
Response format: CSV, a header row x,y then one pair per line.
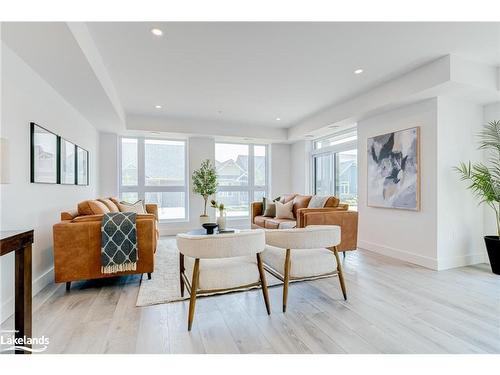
x,y
323,174
347,178
335,168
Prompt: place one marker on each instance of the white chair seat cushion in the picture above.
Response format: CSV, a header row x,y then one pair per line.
x,y
304,263
224,273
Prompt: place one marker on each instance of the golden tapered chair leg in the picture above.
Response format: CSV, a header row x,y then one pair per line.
x,y
263,283
339,271
194,287
286,279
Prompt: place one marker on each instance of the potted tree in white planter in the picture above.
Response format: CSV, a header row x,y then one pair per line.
x,y
205,184
484,182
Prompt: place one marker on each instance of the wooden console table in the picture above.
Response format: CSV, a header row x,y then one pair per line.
x,y
20,243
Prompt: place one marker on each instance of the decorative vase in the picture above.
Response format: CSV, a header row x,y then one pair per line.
x,y
493,249
221,220
204,219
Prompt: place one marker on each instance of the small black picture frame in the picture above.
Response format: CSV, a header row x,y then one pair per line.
x,y
82,166
67,162
44,155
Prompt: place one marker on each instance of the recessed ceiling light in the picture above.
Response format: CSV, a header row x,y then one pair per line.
x,y
358,71
155,133
278,119
309,136
156,32
333,126
158,106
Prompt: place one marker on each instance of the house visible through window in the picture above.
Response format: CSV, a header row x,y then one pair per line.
x,y
242,175
154,170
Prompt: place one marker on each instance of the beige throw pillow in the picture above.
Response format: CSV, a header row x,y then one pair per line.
x,y
137,207
284,210
317,201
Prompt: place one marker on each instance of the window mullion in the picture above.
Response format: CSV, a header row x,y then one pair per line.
x,y
251,172
142,166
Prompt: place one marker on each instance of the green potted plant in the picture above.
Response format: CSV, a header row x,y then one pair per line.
x,y
221,220
484,182
205,184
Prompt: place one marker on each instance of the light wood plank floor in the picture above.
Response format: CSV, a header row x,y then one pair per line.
x,y
392,307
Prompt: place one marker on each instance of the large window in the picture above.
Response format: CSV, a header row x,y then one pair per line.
x,y
335,167
154,170
242,174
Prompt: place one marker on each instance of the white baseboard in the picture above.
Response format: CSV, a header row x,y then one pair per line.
x,y
420,260
37,285
461,261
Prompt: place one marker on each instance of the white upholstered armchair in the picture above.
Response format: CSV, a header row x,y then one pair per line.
x,y
211,264
302,254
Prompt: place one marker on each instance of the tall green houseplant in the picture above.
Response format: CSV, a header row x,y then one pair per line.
x,y
484,178
205,182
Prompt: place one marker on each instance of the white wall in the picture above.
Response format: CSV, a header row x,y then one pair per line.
x,y
280,168
108,165
447,231
460,218
27,98
491,113
406,235
300,167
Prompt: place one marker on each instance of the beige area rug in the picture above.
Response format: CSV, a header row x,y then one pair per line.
x,y
164,285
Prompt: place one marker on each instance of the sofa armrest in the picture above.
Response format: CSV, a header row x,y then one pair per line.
x,y
152,208
256,210
302,211
347,220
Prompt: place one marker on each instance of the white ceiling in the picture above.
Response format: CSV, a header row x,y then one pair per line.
x,y
51,50
252,73
234,75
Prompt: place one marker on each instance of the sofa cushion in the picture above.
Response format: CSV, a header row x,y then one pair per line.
x,y
300,201
284,210
304,263
260,221
287,198
224,273
276,223
110,204
92,207
332,202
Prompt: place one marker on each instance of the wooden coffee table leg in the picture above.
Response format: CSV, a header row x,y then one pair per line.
x,y
23,294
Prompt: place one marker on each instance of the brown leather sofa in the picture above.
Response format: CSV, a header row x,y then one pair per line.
x,y
77,243
333,213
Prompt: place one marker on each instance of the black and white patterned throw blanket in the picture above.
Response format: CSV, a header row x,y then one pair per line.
x,y
118,242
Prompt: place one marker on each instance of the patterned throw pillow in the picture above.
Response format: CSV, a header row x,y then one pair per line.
x,y
284,210
137,207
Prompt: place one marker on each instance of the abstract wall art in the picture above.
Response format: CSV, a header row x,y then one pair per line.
x,y
394,170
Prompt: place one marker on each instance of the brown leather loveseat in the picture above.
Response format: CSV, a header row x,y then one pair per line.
x,y
333,213
77,242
